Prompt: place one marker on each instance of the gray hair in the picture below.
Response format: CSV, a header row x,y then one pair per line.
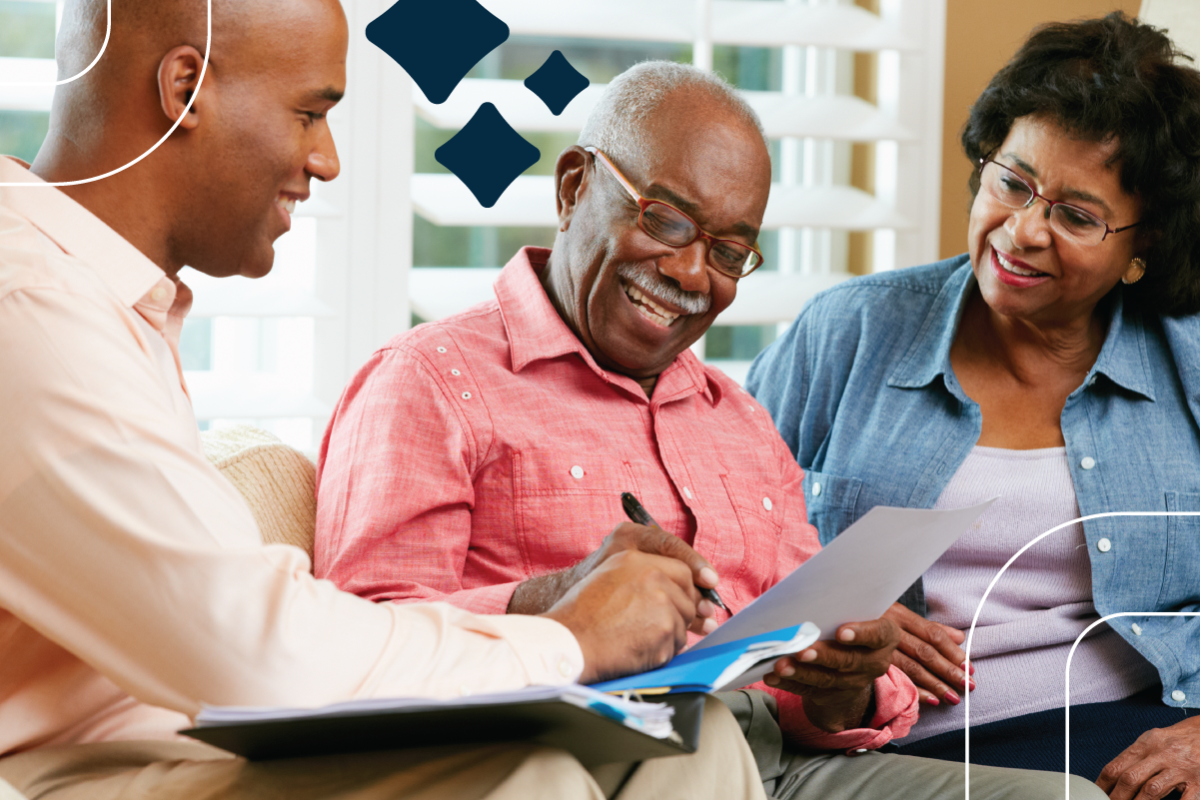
x,y
617,125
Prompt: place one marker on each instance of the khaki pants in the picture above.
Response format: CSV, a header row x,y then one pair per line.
x,y
790,775
723,769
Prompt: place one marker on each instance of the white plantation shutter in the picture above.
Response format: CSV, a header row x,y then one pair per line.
x,y
810,202
278,351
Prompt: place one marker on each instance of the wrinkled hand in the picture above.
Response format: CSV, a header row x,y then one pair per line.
x,y
837,678
1161,760
537,595
929,654
630,614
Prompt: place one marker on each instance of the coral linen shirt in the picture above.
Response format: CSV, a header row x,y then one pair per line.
x,y
133,582
473,453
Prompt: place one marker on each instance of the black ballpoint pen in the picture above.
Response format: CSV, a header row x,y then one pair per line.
x,y
637,513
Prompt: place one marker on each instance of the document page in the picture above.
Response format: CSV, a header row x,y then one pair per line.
x,y
854,578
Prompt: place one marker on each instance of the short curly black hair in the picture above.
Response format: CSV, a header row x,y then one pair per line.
x,y
1116,78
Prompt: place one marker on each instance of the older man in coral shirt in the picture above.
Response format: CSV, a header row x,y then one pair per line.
x,y
528,416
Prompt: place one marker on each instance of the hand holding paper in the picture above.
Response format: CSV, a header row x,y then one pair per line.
x,y
836,678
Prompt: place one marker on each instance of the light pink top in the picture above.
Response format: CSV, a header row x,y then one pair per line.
x,y
1040,605
133,583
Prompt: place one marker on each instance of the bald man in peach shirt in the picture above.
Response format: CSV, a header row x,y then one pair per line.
x,y
134,586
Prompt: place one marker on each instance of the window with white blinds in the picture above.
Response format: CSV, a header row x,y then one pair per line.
x,y
850,95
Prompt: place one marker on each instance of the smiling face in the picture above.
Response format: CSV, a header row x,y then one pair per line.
x,y
267,134
634,302
1027,270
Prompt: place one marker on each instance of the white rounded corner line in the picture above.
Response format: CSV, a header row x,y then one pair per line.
x,y
983,600
158,144
87,69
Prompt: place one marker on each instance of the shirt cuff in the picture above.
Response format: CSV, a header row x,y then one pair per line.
x,y
895,713
547,649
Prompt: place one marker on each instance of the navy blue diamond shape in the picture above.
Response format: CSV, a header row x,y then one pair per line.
x,y
437,41
487,155
556,82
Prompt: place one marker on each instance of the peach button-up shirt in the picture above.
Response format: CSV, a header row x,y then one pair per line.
x,y
134,586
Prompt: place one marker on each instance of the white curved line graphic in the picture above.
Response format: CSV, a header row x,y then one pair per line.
x,y
158,144
982,600
1070,655
95,61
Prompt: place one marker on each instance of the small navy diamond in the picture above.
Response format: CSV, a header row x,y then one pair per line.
x,y
437,41
556,82
487,155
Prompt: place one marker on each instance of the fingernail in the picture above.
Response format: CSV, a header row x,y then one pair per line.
x,y
932,701
708,576
951,697
787,670
971,669
972,685
710,625
808,655
771,680
705,608
846,635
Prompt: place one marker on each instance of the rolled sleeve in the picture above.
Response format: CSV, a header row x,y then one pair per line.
x,y
395,487
895,713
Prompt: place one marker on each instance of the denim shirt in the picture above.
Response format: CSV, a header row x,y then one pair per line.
x,y
862,391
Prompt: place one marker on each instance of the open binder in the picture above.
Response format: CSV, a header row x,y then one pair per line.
x,y
594,732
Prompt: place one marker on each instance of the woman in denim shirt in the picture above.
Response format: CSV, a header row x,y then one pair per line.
x,y
1057,364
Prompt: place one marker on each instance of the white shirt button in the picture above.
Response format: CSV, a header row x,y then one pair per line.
x,y
861,750
455,373
564,668
1137,629
1104,545
1088,462
816,490
466,395
159,294
441,349
687,493
1178,696
767,503
577,472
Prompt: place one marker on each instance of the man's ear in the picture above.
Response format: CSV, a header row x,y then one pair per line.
x,y
178,79
570,180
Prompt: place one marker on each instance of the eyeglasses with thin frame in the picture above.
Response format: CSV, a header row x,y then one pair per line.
x,y
1073,222
665,223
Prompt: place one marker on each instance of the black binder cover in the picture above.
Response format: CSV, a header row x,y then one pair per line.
x,y
590,736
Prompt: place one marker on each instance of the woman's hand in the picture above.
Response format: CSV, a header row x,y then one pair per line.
x,y
837,679
929,654
1161,760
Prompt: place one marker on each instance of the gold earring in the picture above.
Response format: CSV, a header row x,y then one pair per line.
x,y
1137,268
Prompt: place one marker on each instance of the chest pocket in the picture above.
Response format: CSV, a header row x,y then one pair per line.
x,y
831,502
1181,578
759,506
565,504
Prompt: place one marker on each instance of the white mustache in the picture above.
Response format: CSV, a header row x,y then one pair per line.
x,y
689,302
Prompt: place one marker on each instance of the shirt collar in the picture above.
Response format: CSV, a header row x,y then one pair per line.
x,y
536,332
80,233
1123,358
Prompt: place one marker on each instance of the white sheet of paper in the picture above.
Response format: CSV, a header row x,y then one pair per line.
x,y
854,578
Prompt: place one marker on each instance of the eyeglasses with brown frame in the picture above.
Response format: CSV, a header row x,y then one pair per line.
x,y
1013,191
665,223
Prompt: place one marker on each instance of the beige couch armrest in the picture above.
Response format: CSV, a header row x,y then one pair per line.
x,y
278,482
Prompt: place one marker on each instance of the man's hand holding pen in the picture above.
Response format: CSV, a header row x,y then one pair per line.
x,y
537,595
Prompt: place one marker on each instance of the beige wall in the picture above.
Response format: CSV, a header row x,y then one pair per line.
x,y
980,38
